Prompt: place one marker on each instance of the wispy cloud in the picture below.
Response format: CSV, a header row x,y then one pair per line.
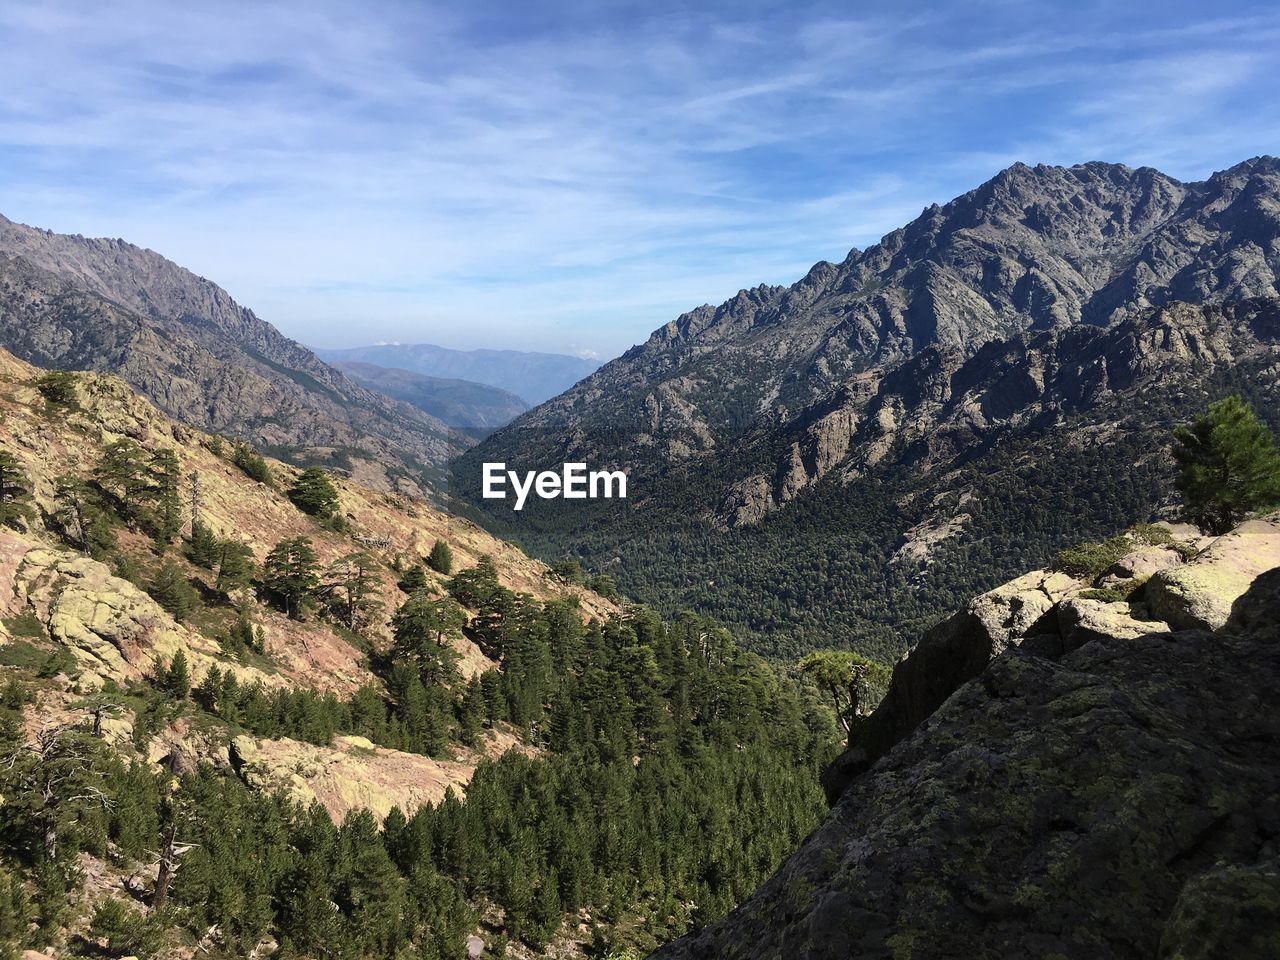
x,y
571,176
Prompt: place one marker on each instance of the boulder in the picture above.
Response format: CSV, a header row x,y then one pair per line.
x,y
1141,563
1011,611
1082,620
1201,594
1230,911
950,653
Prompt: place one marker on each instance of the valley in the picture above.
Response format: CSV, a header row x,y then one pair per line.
x,y
279,679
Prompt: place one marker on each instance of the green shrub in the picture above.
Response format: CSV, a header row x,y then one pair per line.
x,y
1088,561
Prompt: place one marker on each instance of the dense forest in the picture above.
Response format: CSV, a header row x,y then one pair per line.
x,y
673,773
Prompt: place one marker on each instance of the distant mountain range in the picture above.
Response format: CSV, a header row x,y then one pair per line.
x,y
182,341
533,377
846,458
475,408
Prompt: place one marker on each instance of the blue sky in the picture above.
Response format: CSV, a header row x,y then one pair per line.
x,y
569,176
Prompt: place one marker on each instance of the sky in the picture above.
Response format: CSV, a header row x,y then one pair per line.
x,y
570,176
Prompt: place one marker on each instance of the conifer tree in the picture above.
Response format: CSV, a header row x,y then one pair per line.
x,y
290,573
58,387
423,628
252,463
15,491
80,517
176,679
235,566
353,591
166,493
122,474
441,558
414,579
171,589
1229,466
314,493
204,547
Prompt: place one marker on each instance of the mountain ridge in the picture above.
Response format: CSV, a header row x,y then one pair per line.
x,y
475,408
532,376
234,373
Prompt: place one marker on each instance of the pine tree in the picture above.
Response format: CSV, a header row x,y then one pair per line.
x,y
423,628
353,591
176,679
414,579
252,463
290,573
166,484
235,566
14,915
171,589
122,474
314,493
80,518
15,491
204,548
1229,466
58,387
441,558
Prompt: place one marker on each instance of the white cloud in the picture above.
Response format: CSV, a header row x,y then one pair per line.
x,y
411,171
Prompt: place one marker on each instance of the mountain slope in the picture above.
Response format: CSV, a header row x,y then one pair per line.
x,y
846,424
473,407
534,377
403,760
110,306
1090,783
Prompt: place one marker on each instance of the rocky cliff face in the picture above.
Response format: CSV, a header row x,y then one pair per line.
x,y
940,404
1057,775
106,305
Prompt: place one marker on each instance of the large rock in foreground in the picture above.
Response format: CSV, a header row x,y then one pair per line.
x,y
1111,804
1055,773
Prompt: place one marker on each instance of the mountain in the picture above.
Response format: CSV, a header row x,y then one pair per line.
x,y
474,408
534,377
106,305
884,423
278,729
1064,768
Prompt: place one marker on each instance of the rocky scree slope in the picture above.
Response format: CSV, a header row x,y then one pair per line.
x,y
74,303
1057,774
111,631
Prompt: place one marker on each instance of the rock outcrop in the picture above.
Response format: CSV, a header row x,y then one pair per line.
x,y
1049,613
1202,594
1116,800
112,630
352,774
